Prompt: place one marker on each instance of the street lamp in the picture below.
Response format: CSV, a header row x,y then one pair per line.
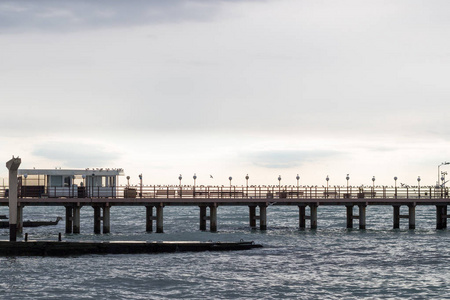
x,y
279,183
418,183
179,178
128,179
348,178
246,180
230,178
439,173
140,179
298,178
195,178
373,186
25,184
395,179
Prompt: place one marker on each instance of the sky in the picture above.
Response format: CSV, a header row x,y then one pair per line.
x,y
228,88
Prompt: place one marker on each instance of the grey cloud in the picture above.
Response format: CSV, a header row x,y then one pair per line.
x,y
77,155
287,158
75,15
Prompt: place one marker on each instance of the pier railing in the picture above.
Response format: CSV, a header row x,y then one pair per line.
x,y
231,192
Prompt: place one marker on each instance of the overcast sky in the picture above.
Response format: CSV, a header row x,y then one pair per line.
x,y
226,88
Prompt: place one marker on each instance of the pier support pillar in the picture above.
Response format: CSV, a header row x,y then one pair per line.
x,y
213,218
69,218
97,219
19,219
441,216
252,216
396,216
106,219
412,216
263,217
313,208
203,218
159,219
149,218
76,219
362,216
302,216
349,216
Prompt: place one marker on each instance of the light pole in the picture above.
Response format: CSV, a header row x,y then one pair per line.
x,y
443,178
230,178
418,183
439,173
195,178
128,179
140,179
373,186
298,179
279,183
25,185
395,179
347,178
179,178
246,180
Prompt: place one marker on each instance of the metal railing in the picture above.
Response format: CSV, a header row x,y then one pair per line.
x,y
232,192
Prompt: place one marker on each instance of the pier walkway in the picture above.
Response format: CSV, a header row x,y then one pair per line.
x,y
258,199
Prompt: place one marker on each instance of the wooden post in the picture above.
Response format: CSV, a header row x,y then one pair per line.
x,y
106,219
362,216
97,219
396,216
12,165
69,218
301,216
76,219
313,208
439,216
412,216
202,218
349,216
149,218
159,218
252,216
263,217
213,218
19,218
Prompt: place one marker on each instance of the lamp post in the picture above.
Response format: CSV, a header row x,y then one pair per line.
x,y
395,179
327,179
195,178
373,186
443,178
418,183
439,173
128,180
230,178
347,178
279,183
140,179
25,185
298,179
179,178
246,180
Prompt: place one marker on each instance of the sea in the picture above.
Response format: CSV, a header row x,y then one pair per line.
x,y
331,262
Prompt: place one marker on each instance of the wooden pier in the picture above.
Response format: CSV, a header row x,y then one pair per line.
x,y
353,200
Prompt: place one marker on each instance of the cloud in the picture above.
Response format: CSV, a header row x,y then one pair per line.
x,y
287,158
75,15
77,155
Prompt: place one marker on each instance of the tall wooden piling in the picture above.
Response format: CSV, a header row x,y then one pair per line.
x,y
213,218
412,216
76,219
396,216
349,216
106,219
159,219
302,216
252,216
362,216
149,218
69,219
263,217
97,219
313,208
203,218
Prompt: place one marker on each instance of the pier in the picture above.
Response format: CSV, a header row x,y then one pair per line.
x,y
354,202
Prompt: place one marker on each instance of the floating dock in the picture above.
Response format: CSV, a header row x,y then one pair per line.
x,y
68,248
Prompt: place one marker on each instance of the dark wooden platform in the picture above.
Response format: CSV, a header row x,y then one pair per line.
x,y
66,248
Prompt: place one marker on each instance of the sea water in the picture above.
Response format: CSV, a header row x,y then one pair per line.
x,y
327,263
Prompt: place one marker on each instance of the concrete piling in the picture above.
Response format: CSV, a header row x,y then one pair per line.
x,y
302,216
69,219
396,216
349,216
263,217
313,216
252,216
203,217
412,216
213,218
106,219
76,219
97,219
362,216
159,219
149,218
